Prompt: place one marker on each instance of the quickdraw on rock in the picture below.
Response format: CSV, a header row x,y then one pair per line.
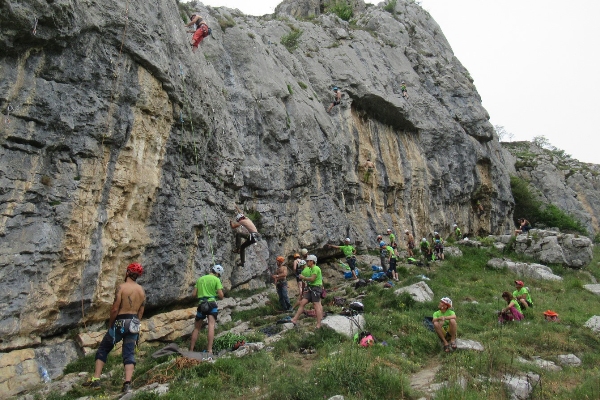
x,y
34,30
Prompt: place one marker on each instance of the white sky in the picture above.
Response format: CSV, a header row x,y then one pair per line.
x,y
536,63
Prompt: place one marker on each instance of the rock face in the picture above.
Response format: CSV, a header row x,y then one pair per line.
x,y
555,247
570,185
119,144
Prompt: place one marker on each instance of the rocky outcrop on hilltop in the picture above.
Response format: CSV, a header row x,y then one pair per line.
x,y
120,144
572,186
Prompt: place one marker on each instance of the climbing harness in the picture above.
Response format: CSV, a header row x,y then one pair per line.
x,y
9,109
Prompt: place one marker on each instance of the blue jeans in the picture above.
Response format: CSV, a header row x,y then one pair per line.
x,y
282,292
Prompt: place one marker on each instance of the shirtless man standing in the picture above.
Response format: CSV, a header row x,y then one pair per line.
x,y
410,243
124,324
250,237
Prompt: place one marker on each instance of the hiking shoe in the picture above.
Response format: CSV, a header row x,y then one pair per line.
x,y
92,384
126,387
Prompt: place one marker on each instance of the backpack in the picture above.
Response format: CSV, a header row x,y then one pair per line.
x,y
364,338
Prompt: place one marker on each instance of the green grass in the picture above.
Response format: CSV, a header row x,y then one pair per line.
x,y
340,8
339,366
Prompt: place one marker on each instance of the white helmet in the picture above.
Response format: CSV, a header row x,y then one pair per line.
x,y
239,217
389,230
311,257
304,252
446,300
406,231
301,262
435,233
423,240
454,226
218,269
347,240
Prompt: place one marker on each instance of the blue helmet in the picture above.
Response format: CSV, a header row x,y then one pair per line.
x,y
335,88
382,243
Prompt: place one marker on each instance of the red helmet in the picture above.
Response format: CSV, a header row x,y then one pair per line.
x,y
280,259
135,268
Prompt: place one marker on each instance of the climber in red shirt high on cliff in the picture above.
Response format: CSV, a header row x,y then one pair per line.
x,y
201,30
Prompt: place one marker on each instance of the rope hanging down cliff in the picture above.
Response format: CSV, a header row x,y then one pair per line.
x,y
115,84
193,140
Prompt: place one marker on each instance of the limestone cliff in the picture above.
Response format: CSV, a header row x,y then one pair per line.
x,y
559,179
120,144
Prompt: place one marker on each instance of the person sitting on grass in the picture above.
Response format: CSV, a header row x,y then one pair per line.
x,y
444,322
512,311
522,295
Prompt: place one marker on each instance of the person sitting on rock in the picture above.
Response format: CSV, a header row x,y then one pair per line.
x,y
524,226
512,311
522,295
444,322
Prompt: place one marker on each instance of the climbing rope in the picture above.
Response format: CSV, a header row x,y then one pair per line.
x,y
196,161
115,85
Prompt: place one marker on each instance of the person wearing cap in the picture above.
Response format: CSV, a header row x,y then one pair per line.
x,y
337,98
208,288
125,315
350,253
522,295
392,238
250,235
280,278
314,279
410,242
444,322
383,255
438,246
404,91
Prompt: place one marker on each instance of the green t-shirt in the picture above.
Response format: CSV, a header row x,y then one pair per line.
x,y
390,251
392,238
308,272
425,245
207,286
439,314
347,250
521,292
457,233
517,305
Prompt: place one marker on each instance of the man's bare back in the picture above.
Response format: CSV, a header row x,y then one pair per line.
x,y
132,299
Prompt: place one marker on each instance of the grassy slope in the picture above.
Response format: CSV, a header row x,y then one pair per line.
x,y
382,372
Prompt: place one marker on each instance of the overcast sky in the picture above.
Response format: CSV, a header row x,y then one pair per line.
x,y
535,63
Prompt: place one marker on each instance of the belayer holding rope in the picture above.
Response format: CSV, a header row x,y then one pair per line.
x,y
201,30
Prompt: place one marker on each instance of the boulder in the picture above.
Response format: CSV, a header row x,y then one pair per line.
x,y
535,271
344,325
569,360
593,323
520,387
555,247
544,364
419,291
594,288
452,251
465,344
